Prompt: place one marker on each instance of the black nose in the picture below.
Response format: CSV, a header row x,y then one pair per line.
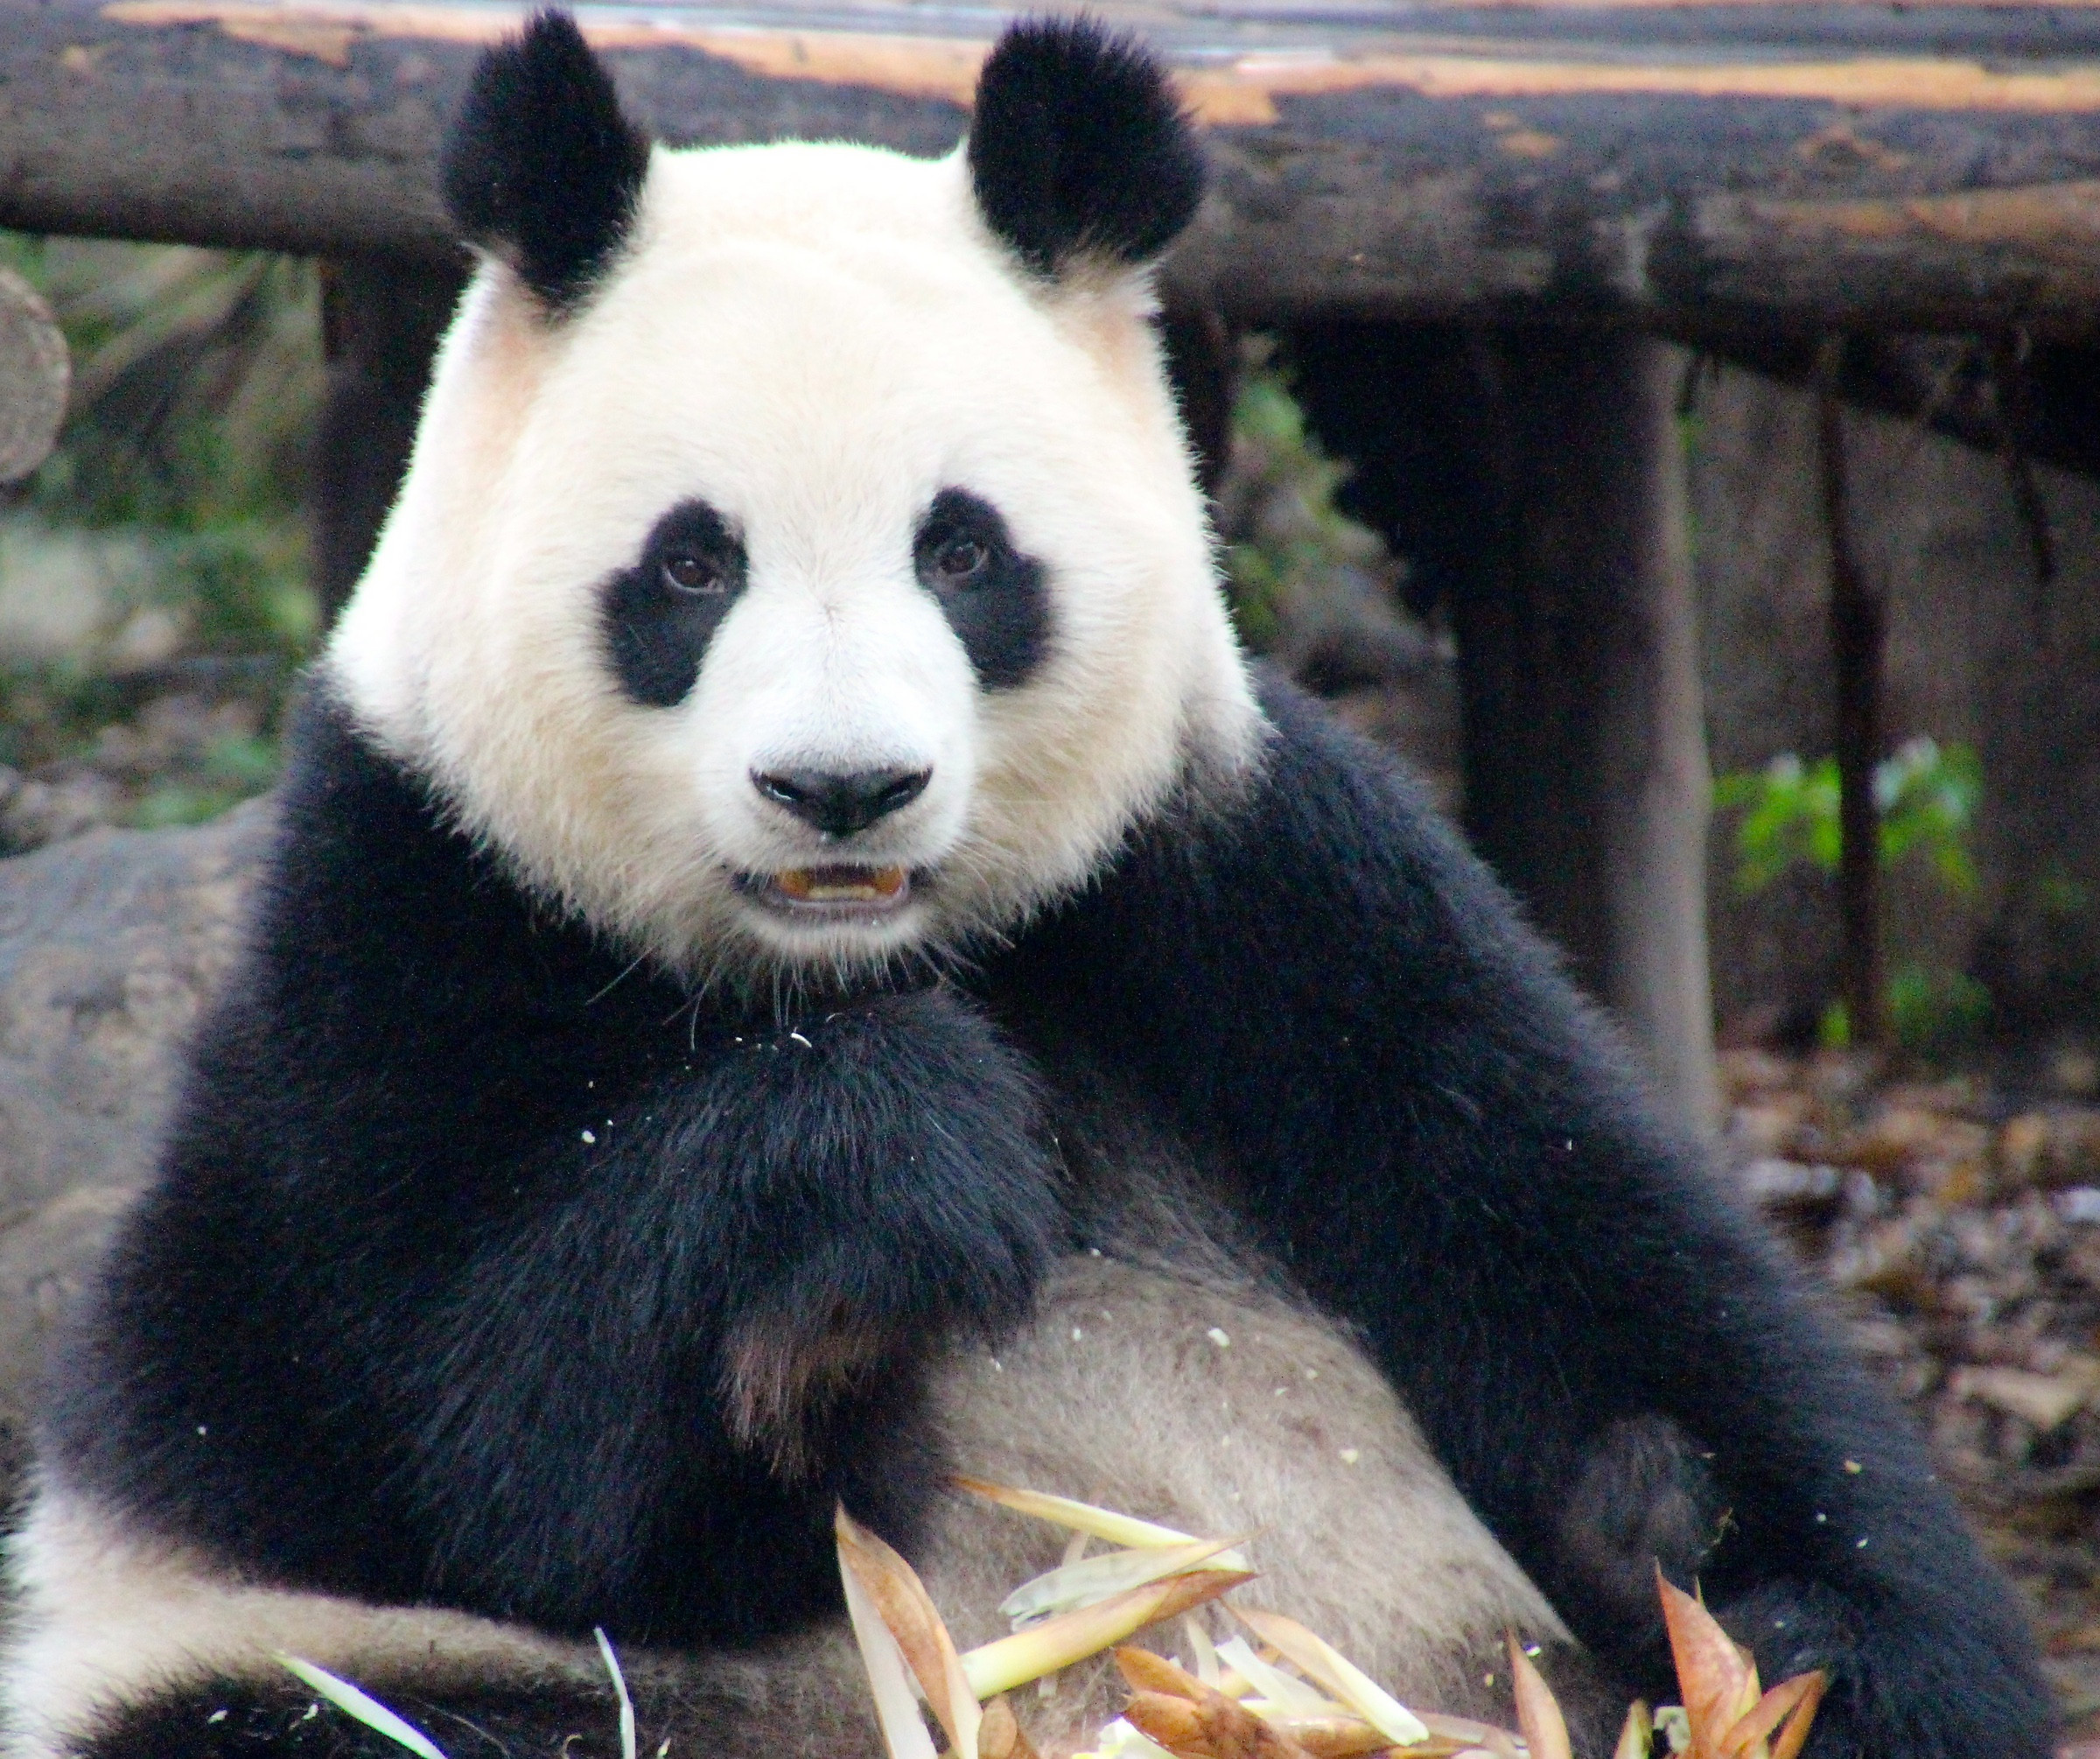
x,y
840,804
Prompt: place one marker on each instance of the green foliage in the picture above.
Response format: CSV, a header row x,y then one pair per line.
x,y
1789,816
1280,528
233,767
1937,1011
171,510
1925,799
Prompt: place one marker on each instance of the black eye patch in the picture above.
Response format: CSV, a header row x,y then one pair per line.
x,y
660,614
994,597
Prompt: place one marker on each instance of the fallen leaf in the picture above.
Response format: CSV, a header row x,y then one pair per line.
x,y
999,1736
1270,1684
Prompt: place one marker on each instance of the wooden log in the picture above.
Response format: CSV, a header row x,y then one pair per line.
x,y
1934,164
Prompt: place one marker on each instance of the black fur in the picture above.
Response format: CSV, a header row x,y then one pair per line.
x,y
1328,996
523,1719
390,1324
660,614
1079,149
468,1227
997,604
541,166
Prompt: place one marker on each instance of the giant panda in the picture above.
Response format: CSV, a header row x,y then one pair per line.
x,y
799,958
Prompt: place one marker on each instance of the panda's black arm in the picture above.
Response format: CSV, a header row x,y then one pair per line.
x,y
1449,1150
472,1236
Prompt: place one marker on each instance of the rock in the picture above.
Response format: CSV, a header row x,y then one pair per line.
x,y
35,374
109,944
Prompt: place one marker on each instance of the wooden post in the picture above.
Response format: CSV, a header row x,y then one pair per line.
x,y
381,317
1859,633
1535,478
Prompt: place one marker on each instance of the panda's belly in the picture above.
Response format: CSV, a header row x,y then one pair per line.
x,y
1219,1409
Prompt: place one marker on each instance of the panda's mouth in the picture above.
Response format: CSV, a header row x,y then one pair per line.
x,y
836,889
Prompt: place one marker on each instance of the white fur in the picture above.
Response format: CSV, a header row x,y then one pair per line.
x,y
1117,1392
815,340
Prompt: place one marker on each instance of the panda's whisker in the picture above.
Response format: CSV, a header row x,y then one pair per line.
x,y
628,971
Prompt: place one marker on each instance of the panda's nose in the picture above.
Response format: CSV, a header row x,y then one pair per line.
x,y
840,803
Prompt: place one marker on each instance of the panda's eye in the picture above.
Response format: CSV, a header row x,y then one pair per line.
x,y
961,559
686,572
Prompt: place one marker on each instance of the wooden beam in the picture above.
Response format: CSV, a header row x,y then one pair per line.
x,y
1923,165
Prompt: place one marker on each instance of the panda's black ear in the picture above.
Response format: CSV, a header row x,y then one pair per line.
x,y
1079,149
542,167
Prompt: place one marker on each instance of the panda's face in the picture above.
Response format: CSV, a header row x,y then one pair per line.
x,y
823,589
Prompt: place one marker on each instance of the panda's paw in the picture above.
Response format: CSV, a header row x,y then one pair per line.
x,y
1947,1683
925,1202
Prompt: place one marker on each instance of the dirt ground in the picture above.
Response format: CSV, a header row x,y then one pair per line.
x,y
1959,1222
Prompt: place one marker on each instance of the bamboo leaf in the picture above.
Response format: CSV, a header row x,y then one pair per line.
x,y
361,1706
1270,1683
899,1600
1795,1699
1537,1714
1341,1676
1072,1637
620,1688
904,1734
1092,1579
1084,1518
1718,1684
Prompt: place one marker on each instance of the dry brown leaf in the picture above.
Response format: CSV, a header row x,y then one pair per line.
x,y
1537,1713
1717,1679
1793,1701
1217,1728
999,1736
1465,1733
908,1612
1350,1737
1210,1725
1073,1636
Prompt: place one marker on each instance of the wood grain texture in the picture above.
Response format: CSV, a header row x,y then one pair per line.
x,y
1703,160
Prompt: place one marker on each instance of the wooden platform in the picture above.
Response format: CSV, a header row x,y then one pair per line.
x,y
1697,167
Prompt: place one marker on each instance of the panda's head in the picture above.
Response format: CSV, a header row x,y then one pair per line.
x,y
800,563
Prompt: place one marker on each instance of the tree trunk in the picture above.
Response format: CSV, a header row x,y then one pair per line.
x,y
1534,481
1859,630
381,317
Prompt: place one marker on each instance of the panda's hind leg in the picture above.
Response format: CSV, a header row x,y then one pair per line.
x,y
733,1712
236,1718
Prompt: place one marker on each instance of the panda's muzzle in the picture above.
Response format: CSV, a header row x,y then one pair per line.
x,y
837,804
835,889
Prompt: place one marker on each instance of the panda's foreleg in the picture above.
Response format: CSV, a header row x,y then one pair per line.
x,y
1451,1152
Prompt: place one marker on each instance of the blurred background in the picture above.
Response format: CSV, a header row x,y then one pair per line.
x,y
159,592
